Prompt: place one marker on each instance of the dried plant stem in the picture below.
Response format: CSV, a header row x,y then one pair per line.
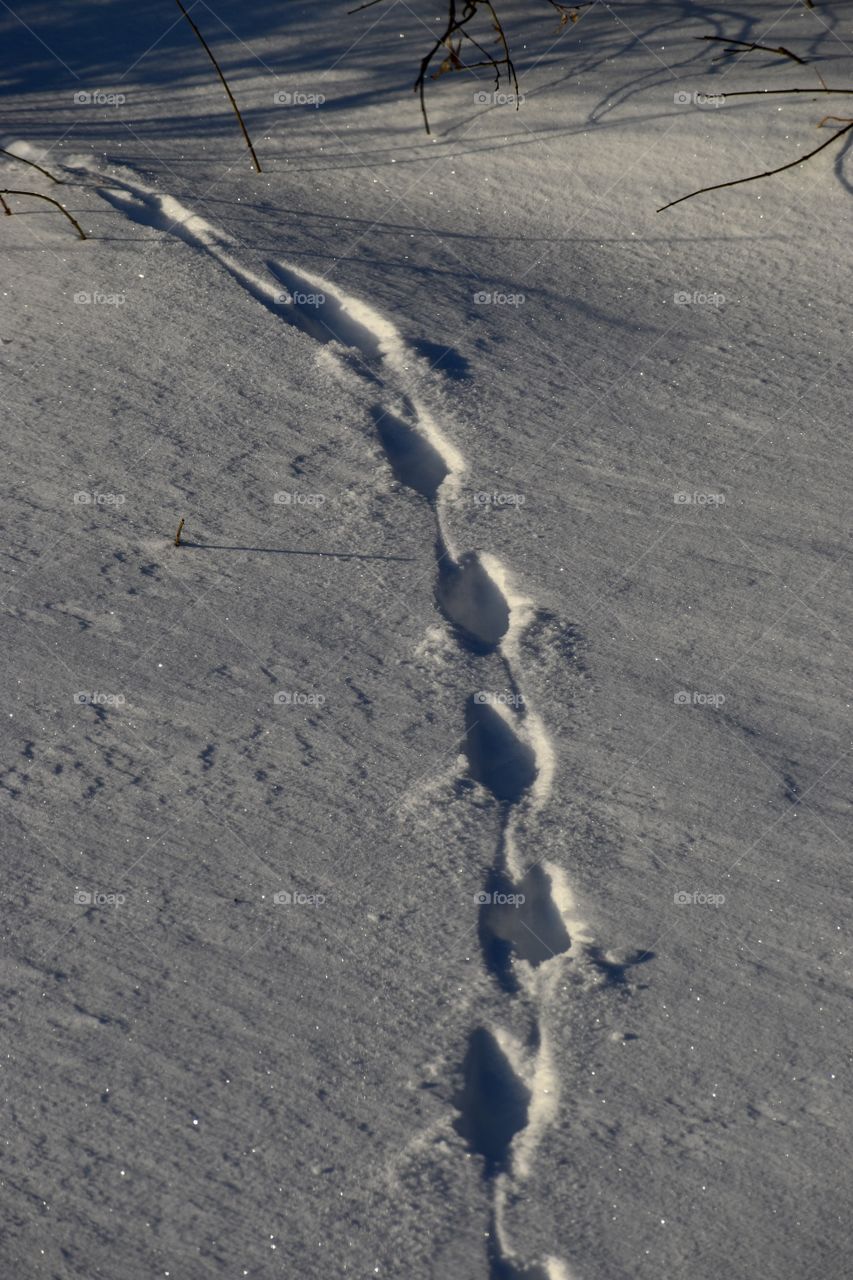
x,y
747,46
759,93
37,195
718,186
226,86
31,163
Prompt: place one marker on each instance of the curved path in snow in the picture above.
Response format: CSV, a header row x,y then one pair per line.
x,y
509,1092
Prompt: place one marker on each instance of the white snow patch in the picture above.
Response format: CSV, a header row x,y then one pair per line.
x,y
578,930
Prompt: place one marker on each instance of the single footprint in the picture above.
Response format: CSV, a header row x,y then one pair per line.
x,y
471,601
414,461
493,1103
497,757
531,930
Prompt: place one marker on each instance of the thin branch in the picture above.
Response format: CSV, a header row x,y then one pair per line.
x,y
221,75
757,93
749,47
31,163
420,82
457,25
5,207
37,195
792,164
505,46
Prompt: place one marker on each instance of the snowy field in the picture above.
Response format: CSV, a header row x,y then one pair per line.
x,y
436,867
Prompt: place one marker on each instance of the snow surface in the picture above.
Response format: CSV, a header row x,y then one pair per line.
x,y
442,627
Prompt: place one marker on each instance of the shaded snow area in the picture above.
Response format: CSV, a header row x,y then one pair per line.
x,y
437,866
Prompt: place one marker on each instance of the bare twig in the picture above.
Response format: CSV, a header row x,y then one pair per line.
x,y
5,207
758,93
37,195
457,24
460,15
792,164
31,163
747,46
178,534
221,75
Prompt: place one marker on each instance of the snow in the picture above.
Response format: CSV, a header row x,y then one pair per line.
x,y
541,598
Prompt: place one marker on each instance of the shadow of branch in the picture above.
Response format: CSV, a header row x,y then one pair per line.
x,y
293,551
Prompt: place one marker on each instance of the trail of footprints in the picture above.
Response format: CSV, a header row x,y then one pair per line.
x,y
499,1103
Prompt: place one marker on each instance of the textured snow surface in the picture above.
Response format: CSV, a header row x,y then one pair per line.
x,y
438,865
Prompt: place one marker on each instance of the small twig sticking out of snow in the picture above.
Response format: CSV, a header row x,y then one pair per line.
x,y
760,93
31,163
6,208
718,186
37,195
459,14
748,47
178,534
227,87
457,26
